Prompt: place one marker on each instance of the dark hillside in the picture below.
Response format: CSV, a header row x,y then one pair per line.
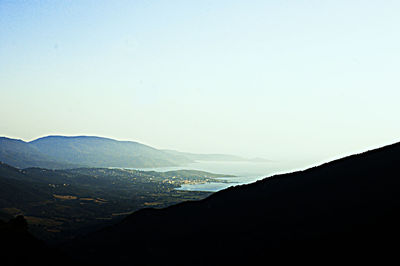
x,y
19,247
344,210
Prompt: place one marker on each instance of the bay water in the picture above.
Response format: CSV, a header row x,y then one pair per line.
x,y
245,172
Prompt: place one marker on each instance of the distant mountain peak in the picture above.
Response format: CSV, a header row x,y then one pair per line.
x,y
71,137
60,152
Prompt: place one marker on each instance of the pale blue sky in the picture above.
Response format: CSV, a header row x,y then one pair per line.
x,y
278,79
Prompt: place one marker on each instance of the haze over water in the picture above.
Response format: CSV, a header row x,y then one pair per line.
x,y
244,171
273,79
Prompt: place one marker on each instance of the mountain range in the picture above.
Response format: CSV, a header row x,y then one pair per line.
x,y
62,152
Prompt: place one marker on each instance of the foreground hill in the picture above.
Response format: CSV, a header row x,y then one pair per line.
x,y
346,210
19,247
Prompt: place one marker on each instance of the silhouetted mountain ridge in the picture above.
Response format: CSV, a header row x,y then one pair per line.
x,y
343,211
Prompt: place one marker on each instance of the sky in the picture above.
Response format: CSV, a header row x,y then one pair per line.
x,y
274,79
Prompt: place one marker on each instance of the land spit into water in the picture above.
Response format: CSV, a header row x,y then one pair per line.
x,y
61,204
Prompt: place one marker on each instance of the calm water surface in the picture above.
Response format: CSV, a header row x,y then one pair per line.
x,y
245,172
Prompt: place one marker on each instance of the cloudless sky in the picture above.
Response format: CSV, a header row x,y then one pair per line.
x,y
277,79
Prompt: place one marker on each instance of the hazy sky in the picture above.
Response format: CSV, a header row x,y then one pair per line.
x,y
256,78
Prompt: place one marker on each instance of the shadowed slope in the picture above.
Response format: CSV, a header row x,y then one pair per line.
x,y
19,247
347,207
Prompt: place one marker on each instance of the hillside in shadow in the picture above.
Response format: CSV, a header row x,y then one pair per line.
x,y
19,247
343,211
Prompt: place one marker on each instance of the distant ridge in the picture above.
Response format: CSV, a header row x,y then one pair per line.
x,y
63,152
21,154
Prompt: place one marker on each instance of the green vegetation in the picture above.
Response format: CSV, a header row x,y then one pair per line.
x,y
60,204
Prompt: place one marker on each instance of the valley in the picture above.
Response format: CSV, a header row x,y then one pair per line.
x,y
61,204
